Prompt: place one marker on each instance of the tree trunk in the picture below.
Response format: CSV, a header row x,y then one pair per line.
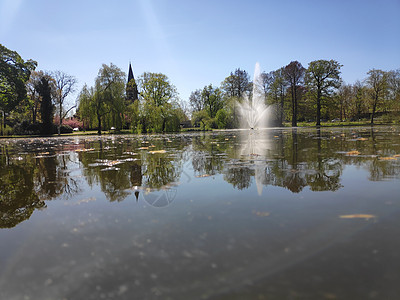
x,y
318,107
99,124
294,106
60,121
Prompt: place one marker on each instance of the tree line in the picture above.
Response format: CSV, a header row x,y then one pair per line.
x,y
35,102
313,94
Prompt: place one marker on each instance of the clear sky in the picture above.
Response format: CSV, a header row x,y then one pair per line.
x,y
196,43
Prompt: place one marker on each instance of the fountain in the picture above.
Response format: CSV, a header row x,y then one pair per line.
x,y
254,112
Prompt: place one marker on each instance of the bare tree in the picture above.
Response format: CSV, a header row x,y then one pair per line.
x,y
65,85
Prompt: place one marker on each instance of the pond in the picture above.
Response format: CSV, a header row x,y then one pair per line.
x,y
264,214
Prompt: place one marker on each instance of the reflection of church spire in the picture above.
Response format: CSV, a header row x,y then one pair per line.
x,y
131,87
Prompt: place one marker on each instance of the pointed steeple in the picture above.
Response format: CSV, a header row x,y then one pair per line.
x,y
131,87
130,73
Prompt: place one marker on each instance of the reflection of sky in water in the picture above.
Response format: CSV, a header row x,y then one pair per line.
x,y
216,237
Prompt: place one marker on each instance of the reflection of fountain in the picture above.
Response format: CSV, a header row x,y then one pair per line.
x,y
254,111
255,147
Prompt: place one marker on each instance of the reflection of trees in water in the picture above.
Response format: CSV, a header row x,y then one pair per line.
x,y
239,177
292,159
143,170
18,199
26,182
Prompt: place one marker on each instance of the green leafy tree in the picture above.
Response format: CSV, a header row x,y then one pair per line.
x,y
212,98
294,74
156,88
322,77
236,84
104,102
160,101
377,82
277,93
14,73
221,118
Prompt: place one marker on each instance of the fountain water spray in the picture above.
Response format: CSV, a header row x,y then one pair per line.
x,y
254,112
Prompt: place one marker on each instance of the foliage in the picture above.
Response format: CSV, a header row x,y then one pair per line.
x,y
377,82
104,103
212,99
321,78
236,84
156,88
294,74
47,107
221,118
14,73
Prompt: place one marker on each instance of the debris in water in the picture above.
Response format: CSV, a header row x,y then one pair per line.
x,y
358,216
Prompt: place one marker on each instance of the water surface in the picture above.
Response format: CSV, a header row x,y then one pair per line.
x,y
263,214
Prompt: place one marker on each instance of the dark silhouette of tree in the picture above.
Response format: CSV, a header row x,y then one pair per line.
x,y
47,106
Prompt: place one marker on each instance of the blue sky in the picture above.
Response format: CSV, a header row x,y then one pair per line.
x,y
196,43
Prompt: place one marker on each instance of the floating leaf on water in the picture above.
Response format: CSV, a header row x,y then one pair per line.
x,y
387,158
261,213
113,163
110,169
352,153
358,216
204,175
130,153
84,150
158,151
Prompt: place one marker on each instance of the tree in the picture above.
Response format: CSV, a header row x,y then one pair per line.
x,y
33,93
277,92
294,74
156,88
344,95
212,99
160,102
358,99
14,73
196,101
44,88
377,81
108,96
65,85
221,118
322,77
236,84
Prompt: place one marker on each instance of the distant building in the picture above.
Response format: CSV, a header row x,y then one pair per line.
x,y
131,87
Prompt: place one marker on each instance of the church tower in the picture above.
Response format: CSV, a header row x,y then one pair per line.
x,y
131,87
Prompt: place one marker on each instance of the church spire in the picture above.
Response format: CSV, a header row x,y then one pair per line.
x,y
131,87
130,73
